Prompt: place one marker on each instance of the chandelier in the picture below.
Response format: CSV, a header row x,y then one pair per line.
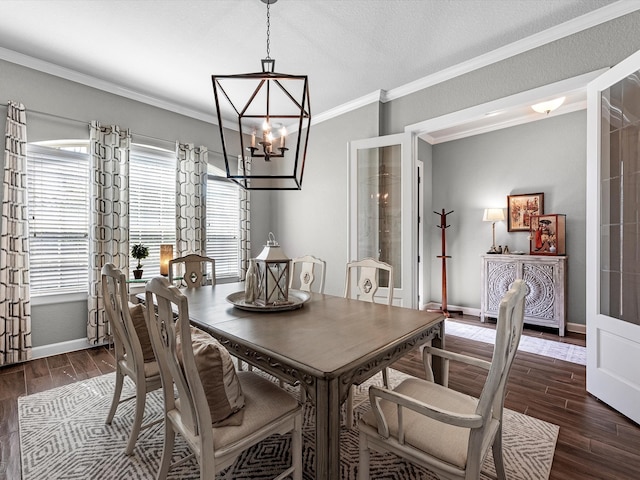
x,y
271,113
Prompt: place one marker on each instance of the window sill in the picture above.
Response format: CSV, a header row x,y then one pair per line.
x,y
51,299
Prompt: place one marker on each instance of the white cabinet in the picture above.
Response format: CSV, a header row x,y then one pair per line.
x,y
546,280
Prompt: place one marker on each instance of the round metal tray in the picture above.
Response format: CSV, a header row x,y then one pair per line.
x,y
296,297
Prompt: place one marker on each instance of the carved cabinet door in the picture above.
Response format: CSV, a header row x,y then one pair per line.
x,y
545,278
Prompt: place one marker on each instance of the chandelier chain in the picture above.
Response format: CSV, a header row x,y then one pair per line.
x,y
268,30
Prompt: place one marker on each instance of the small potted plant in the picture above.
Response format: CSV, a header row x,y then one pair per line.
x,y
139,252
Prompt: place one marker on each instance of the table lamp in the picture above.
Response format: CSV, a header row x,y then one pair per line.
x,y
493,215
166,254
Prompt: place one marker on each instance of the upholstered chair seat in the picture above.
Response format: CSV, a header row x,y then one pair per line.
x,y
446,431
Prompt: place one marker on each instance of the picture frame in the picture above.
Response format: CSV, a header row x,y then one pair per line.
x,y
520,208
548,234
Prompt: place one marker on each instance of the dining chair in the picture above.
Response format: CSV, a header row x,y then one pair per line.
x,y
310,268
267,409
446,431
132,348
365,274
197,270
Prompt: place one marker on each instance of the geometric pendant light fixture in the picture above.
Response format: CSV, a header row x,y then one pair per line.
x,y
272,116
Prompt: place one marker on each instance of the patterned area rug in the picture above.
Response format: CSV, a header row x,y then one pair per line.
x,y
539,346
63,436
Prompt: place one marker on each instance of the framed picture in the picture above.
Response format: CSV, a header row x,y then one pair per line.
x,y
548,233
520,208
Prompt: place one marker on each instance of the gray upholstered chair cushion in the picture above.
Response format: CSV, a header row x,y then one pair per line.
x,y
444,441
219,378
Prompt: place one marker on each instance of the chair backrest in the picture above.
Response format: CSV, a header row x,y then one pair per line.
x,y
194,270
116,304
367,271
309,266
164,328
508,333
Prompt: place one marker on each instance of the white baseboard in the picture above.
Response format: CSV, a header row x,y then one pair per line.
x,y
577,328
571,327
58,348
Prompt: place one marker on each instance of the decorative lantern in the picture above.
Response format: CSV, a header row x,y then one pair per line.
x,y
272,275
166,254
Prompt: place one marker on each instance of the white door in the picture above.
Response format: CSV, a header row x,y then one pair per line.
x,y
383,209
613,237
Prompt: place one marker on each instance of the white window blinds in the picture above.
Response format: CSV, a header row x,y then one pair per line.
x,y
223,224
152,202
58,192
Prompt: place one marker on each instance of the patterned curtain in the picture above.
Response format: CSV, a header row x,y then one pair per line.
x,y
109,217
15,307
191,203
245,220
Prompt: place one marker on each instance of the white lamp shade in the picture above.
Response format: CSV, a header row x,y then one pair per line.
x,y
493,215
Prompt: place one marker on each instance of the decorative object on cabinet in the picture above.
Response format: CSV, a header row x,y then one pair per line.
x,y
520,208
493,215
546,279
548,234
443,226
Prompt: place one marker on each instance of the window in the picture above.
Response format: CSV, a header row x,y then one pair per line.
x,y
152,202
58,192
58,196
223,224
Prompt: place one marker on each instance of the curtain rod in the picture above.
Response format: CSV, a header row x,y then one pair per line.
x,y
46,114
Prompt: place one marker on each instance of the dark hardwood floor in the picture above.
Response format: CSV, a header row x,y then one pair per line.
x,y
595,442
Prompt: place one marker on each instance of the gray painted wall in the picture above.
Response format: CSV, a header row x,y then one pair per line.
x,y
478,172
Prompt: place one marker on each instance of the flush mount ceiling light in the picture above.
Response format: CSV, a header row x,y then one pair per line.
x,y
549,106
263,106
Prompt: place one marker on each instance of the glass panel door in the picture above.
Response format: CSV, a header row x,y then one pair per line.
x,y
620,187
383,210
613,234
379,197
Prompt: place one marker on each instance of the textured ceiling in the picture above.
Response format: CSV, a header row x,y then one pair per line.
x,y
167,50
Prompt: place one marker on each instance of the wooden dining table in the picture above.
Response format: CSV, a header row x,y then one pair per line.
x,y
327,345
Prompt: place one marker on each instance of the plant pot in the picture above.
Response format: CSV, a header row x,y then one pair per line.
x,y
137,274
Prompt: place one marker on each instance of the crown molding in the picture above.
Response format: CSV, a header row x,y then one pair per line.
x,y
97,83
376,96
571,27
